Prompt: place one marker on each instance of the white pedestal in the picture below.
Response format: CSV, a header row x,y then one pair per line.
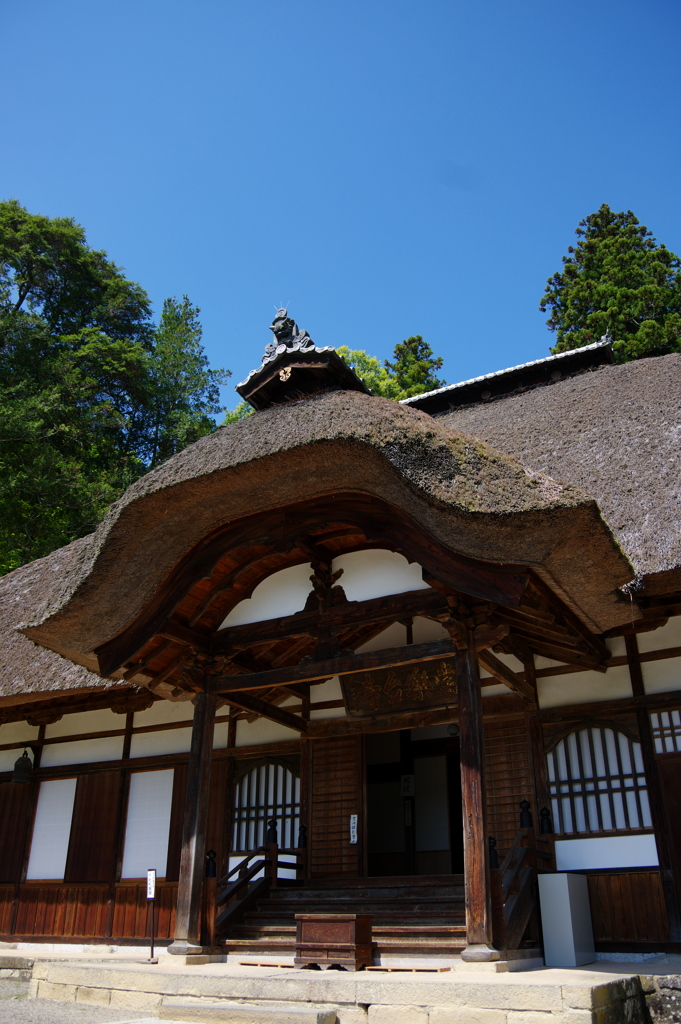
x,y
566,920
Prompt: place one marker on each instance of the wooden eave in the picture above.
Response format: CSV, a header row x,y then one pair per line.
x,y
264,663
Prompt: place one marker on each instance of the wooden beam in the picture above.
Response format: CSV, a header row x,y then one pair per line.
x,y
335,727
633,657
173,630
247,702
309,671
387,609
506,675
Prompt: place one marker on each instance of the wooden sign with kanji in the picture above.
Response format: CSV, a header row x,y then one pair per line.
x,y
429,684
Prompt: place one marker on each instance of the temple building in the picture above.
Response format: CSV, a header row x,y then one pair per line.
x,y
353,655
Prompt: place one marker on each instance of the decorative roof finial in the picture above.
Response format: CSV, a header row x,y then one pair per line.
x,y
287,337
293,368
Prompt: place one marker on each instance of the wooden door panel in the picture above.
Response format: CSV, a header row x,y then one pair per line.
x,y
336,793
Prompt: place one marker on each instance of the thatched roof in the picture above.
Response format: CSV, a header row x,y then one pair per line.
x,y
467,495
27,669
614,432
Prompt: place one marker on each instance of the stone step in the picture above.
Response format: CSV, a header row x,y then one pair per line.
x,y
286,895
224,1012
265,928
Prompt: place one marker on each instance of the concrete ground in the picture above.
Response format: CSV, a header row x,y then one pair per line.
x,y
71,987
17,1008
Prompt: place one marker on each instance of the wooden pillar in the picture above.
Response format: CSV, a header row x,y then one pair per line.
x,y
187,938
655,799
476,863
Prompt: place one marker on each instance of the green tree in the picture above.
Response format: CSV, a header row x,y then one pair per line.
x,y
370,370
184,391
414,367
47,267
617,279
239,412
92,395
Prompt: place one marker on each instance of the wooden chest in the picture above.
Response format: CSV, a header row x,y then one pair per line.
x,y
330,940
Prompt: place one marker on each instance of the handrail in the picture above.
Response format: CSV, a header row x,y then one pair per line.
x,y
241,864
239,883
269,863
514,884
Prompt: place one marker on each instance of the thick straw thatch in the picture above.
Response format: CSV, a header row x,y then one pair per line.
x,y
615,433
466,494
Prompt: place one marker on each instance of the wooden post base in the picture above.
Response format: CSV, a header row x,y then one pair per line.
x,y
480,953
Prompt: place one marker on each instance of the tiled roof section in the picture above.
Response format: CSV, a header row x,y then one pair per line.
x,y
515,378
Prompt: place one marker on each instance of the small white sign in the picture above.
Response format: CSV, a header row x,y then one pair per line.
x,y
151,884
408,788
353,829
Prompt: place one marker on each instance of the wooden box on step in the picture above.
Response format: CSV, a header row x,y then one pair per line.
x,y
330,940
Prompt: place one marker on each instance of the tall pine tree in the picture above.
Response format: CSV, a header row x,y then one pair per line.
x,y
617,279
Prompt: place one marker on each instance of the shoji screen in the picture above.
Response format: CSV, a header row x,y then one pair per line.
x,y
148,825
52,829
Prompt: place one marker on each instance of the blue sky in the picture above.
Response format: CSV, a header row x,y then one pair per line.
x,y
385,169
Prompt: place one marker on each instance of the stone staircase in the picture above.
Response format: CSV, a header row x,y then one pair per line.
x,y
412,916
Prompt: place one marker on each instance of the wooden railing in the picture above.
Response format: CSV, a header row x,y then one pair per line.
x,y
228,898
515,895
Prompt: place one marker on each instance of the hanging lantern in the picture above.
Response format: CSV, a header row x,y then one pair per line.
x,y
23,766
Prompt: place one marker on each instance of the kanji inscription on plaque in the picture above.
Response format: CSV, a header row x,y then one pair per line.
x,y
402,688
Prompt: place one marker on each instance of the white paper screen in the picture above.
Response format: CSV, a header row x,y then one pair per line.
x,y
148,826
50,843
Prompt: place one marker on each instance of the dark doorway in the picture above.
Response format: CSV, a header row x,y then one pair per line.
x,y
413,788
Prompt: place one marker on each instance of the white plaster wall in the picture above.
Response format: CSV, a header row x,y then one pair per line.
x,y
86,721
658,639
20,733
109,748
661,676
366,574
377,572
330,690
394,636
220,736
498,690
52,829
584,687
606,852
428,629
283,593
262,731
8,757
163,712
617,646
169,741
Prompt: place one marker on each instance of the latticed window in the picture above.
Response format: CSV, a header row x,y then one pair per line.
x,y
597,782
266,791
666,727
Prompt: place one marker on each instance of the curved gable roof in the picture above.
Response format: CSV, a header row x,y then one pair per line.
x,y
470,497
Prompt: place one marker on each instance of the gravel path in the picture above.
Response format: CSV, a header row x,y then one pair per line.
x,y
16,1008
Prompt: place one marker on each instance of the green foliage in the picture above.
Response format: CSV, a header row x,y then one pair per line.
x,y
184,391
414,366
370,370
240,412
91,394
616,279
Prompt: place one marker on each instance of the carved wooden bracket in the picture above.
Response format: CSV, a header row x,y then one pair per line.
x,y
131,702
38,718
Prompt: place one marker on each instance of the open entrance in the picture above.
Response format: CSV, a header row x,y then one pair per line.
x,y
413,789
